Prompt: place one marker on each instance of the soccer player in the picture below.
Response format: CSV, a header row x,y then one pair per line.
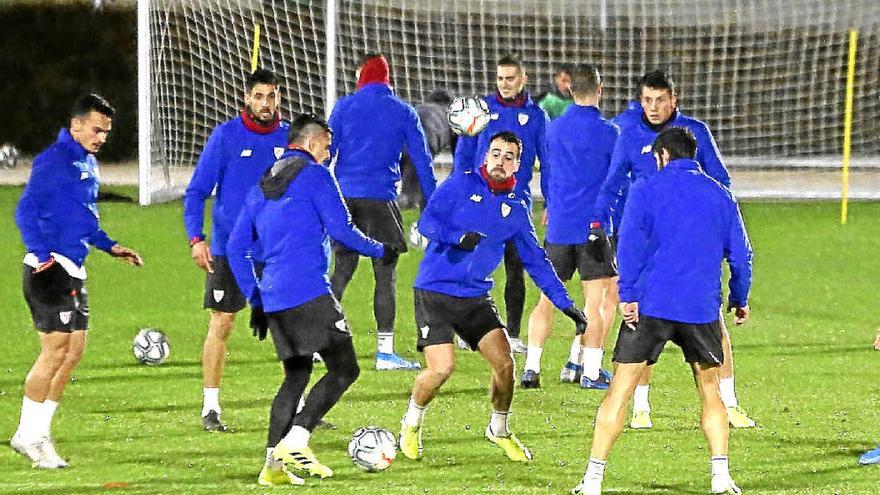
x,y
677,229
235,156
468,222
579,147
289,216
632,160
513,110
370,129
58,219
560,98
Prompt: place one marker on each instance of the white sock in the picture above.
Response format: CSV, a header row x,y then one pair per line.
x,y
414,414
533,358
271,463
302,404
728,395
297,438
720,466
498,423
574,352
595,469
28,424
211,401
385,342
640,398
592,361
48,410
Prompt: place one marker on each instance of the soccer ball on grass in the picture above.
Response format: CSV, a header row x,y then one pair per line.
x,y
468,115
372,448
150,346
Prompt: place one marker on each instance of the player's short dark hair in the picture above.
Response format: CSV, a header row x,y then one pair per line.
x,y
585,79
305,126
91,102
657,79
510,60
677,141
564,69
260,76
509,137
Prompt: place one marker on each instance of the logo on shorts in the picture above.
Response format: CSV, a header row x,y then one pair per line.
x,y
647,148
425,329
505,210
218,295
279,150
476,198
522,118
65,316
341,326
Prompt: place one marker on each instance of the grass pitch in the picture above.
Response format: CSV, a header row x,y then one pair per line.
x,y
804,366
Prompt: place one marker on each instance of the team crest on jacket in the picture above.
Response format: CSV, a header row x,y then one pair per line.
x,y
476,198
279,150
647,148
505,210
523,118
218,295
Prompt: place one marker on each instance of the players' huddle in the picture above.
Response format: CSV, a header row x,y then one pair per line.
x,y
639,206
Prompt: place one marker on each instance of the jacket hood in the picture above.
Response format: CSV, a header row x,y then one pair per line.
x,y
374,70
277,179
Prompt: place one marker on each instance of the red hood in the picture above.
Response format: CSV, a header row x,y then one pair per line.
x,y
374,70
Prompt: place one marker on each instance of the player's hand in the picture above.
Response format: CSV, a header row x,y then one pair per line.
x,y
259,324
598,244
578,317
389,254
201,254
469,240
629,311
127,255
740,313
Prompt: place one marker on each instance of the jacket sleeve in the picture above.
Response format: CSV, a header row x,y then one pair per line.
x,y
536,262
631,248
336,219
709,156
101,240
201,185
37,194
465,150
238,249
417,147
334,124
738,251
541,151
609,194
436,221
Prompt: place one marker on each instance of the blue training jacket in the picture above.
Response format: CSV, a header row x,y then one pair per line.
x,y
370,130
233,160
677,229
464,203
633,158
58,209
579,146
292,215
528,122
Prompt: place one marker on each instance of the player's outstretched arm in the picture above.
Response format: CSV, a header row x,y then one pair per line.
x,y
537,264
126,254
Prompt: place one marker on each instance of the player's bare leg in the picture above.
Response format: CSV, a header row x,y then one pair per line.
x,y
440,359
737,417
714,424
76,345
495,349
213,361
540,327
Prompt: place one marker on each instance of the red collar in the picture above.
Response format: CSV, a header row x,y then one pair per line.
x,y
254,126
517,101
498,187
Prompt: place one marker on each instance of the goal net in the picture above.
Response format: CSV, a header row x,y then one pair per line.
x,y
768,78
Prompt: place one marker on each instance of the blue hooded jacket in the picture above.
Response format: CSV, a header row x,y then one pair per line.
x,y
233,160
58,209
464,203
528,122
579,146
292,215
370,130
677,229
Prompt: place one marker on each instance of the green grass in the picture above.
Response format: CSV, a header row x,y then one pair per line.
x,y
805,371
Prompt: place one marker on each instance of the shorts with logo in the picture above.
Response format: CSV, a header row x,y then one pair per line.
x,y
311,327
57,301
700,342
221,289
378,219
566,258
439,316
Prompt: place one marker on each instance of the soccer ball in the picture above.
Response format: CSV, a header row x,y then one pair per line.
x,y
468,115
416,239
8,156
150,346
372,448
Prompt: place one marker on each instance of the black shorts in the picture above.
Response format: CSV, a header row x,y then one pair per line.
x,y
308,328
378,219
565,258
57,301
701,343
221,289
438,316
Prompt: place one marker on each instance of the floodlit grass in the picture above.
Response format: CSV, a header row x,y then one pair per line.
x,y
805,371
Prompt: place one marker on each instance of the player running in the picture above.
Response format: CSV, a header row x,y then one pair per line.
x,y
468,222
579,147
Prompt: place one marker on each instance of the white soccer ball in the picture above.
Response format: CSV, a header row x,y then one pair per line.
x,y
150,346
416,239
8,156
372,448
468,115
